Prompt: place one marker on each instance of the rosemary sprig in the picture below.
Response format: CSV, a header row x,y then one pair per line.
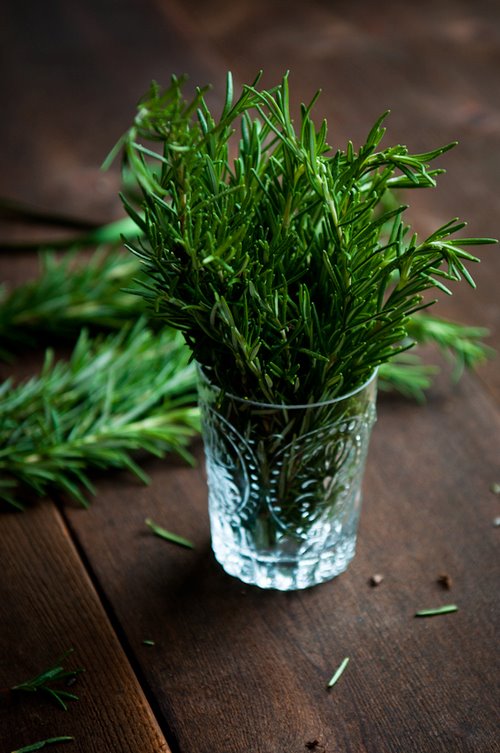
x,y
71,292
406,374
128,392
42,743
462,343
44,682
284,269
168,535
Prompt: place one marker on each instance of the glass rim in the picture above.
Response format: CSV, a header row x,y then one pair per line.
x,y
290,406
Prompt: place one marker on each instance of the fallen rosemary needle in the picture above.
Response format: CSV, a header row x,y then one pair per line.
x,y
168,535
148,642
434,612
338,672
43,743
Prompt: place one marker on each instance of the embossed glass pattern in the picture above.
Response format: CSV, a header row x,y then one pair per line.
x,y
284,484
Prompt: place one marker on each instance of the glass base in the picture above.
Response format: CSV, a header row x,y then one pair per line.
x,y
276,572
284,484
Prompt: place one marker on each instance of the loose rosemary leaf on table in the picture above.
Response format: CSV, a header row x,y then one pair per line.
x,y
42,743
132,391
162,533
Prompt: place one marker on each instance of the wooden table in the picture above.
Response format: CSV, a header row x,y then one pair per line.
x,y
235,669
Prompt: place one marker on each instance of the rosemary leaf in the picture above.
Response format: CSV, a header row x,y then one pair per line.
x,y
167,535
435,612
42,743
44,682
338,672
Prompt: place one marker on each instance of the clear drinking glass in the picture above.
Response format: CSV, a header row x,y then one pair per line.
x,y
284,484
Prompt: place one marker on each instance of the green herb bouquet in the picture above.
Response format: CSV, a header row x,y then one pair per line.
x,y
292,281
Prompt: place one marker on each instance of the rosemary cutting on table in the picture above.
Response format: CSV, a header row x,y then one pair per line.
x,y
130,391
48,681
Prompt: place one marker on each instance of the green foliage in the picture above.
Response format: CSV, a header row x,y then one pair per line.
x,y
71,292
338,672
447,609
168,535
42,743
406,374
462,343
75,290
288,270
276,263
128,392
47,681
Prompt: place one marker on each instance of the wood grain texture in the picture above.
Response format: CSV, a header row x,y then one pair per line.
x,y
48,605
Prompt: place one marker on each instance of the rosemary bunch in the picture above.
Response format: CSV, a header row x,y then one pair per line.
x,y
128,392
275,263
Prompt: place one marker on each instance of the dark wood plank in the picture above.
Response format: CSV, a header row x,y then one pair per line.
x,y
48,605
238,669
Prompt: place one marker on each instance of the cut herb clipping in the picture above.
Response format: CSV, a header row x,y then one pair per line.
x,y
47,682
70,292
288,276
338,672
130,391
167,535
